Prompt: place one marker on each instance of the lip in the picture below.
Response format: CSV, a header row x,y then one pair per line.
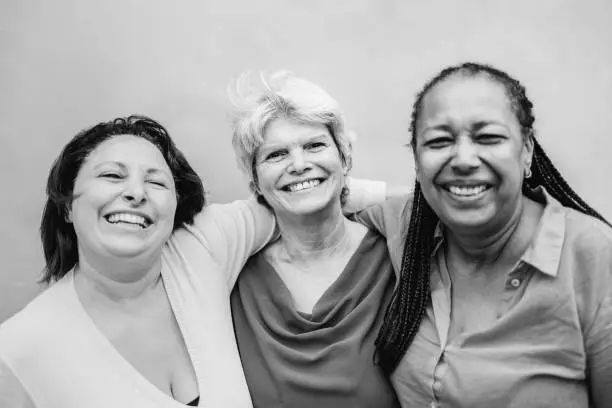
x,y
144,215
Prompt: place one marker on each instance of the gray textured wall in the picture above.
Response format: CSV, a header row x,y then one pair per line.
x,y
65,65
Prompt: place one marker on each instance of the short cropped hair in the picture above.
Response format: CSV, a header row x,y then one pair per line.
x,y
281,95
58,237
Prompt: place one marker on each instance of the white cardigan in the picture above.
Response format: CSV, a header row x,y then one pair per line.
x,y
53,356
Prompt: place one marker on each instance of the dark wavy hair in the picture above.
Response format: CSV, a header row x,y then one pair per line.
x,y
405,312
58,237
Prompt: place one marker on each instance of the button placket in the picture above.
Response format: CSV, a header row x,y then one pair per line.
x,y
516,277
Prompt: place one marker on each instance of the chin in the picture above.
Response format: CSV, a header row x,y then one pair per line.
x,y
128,249
309,207
468,219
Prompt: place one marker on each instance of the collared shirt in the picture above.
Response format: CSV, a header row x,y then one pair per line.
x,y
551,345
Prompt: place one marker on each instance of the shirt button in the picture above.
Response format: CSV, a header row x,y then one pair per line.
x,y
515,283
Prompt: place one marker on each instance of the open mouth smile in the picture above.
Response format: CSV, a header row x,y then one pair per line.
x,y
467,191
129,219
302,185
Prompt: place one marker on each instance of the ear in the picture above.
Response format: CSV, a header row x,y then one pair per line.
x,y
345,169
528,150
417,172
68,214
254,188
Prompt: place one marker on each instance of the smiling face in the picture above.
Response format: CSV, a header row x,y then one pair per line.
x,y
124,200
298,167
469,151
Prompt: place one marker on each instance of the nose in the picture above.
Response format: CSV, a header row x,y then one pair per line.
x,y
299,162
465,156
134,192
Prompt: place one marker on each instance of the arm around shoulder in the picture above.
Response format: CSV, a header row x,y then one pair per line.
x,y
390,218
234,231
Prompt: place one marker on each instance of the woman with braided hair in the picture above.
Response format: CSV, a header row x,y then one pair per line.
x,y
505,291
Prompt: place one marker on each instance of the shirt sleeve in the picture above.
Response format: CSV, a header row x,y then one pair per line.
x,y
12,392
388,218
598,337
391,219
235,231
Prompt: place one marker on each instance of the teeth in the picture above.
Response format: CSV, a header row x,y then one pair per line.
x,y
128,218
304,185
467,191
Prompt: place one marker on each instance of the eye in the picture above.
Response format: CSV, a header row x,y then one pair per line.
x,y
158,183
111,176
489,138
439,142
315,146
276,155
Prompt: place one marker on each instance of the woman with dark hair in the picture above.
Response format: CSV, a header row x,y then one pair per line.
x,y
504,296
138,314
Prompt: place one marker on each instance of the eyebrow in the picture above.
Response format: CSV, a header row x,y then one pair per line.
x,y
123,167
484,123
475,127
443,127
272,146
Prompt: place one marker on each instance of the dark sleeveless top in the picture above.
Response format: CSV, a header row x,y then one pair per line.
x,y
194,403
324,359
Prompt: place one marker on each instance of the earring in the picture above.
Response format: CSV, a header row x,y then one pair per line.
x,y
528,172
344,193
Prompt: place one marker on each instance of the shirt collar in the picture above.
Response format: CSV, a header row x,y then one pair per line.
x,y
544,252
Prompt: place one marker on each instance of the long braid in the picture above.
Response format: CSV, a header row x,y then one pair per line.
x,y
409,303
412,295
544,173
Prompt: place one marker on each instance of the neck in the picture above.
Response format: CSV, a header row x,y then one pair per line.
x,y
314,235
116,282
499,243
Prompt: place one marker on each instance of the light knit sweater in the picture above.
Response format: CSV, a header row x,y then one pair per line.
x,y
53,356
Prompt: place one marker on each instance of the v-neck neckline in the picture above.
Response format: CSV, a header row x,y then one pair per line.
x,y
315,315
119,361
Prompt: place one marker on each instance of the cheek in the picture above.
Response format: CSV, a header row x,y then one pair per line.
x,y
267,175
170,203
508,163
429,164
164,201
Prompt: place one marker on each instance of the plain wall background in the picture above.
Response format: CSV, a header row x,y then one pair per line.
x,y
66,65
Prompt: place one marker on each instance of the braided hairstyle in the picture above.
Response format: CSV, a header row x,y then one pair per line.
x,y
408,305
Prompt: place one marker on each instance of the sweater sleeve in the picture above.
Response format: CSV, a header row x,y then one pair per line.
x,y
12,392
235,231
